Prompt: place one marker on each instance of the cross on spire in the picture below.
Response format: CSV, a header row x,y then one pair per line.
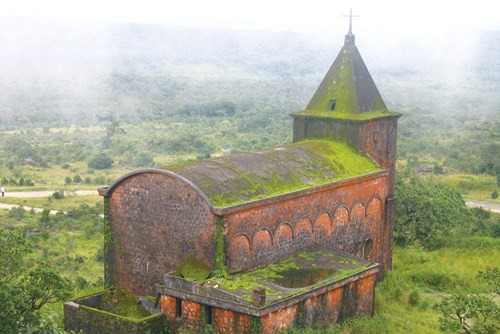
x,y
349,38
350,16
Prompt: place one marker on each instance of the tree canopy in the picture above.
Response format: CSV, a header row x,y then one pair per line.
x,y
426,211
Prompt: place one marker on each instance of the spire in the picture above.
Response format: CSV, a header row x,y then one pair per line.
x,y
348,88
349,38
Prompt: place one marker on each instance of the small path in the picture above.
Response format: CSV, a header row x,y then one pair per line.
x,y
44,193
27,208
47,193
485,205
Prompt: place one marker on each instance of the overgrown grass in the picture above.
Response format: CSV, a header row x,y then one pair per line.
x,y
473,187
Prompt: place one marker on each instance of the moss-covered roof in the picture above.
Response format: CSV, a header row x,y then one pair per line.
x,y
295,277
245,177
350,88
309,269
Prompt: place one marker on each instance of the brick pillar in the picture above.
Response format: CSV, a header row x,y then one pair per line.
x,y
192,313
365,294
168,306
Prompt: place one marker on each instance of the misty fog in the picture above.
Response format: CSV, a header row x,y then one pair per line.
x,y
74,68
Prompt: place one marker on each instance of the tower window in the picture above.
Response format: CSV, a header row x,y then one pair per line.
x,y
332,104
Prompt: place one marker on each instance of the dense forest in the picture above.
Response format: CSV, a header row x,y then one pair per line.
x,y
83,103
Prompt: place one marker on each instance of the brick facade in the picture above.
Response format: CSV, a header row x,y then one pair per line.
x,y
155,220
345,217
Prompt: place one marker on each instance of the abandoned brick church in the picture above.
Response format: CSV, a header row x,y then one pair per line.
x,y
294,236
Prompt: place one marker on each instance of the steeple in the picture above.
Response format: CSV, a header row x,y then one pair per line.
x,y
348,88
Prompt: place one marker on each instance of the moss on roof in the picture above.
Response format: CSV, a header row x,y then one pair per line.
x,y
311,268
245,177
349,84
348,116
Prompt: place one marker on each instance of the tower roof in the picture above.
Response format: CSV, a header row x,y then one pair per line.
x,y
347,90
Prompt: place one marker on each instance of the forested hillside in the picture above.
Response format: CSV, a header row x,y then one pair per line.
x,y
241,85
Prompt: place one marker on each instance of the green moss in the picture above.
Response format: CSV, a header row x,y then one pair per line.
x,y
275,275
194,269
220,254
121,302
365,116
275,172
349,83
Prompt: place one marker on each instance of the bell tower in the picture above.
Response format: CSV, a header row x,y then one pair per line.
x,y
347,106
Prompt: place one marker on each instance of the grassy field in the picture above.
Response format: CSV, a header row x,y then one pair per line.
x,y
66,203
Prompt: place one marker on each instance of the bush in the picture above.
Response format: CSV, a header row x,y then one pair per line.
x,y
59,194
100,162
494,194
426,211
414,298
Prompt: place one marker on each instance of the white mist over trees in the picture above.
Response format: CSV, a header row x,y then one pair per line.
x,y
84,70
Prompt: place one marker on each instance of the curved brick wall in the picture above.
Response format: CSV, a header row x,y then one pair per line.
x,y
156,220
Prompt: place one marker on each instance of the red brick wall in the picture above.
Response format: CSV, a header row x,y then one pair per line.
x,y
279,320
353,299
156,220
192,313
168,306
229,322
344,217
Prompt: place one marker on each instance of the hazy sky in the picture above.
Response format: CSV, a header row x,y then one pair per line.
x,y
381,16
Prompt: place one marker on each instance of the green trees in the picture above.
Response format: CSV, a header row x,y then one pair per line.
x,y
468,313
426,211
24,288
472,313
100,161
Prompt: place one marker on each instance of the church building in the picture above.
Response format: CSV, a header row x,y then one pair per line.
x,y
294,236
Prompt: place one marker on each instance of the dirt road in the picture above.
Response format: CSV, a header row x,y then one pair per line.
x,y
484,205
45,193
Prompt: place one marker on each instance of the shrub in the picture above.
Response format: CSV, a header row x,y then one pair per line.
x,y
414,298
100,162
59,194
426,211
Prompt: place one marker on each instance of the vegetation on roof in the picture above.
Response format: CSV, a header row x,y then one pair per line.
x,y
348,116
194,269
246,177
349,84
325,266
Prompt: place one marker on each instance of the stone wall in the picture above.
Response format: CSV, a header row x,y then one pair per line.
x,y
155,221
348,216
353,298
88,320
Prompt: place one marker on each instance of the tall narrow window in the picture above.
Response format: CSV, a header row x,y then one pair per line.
x,y
178,307
208,311
332,104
